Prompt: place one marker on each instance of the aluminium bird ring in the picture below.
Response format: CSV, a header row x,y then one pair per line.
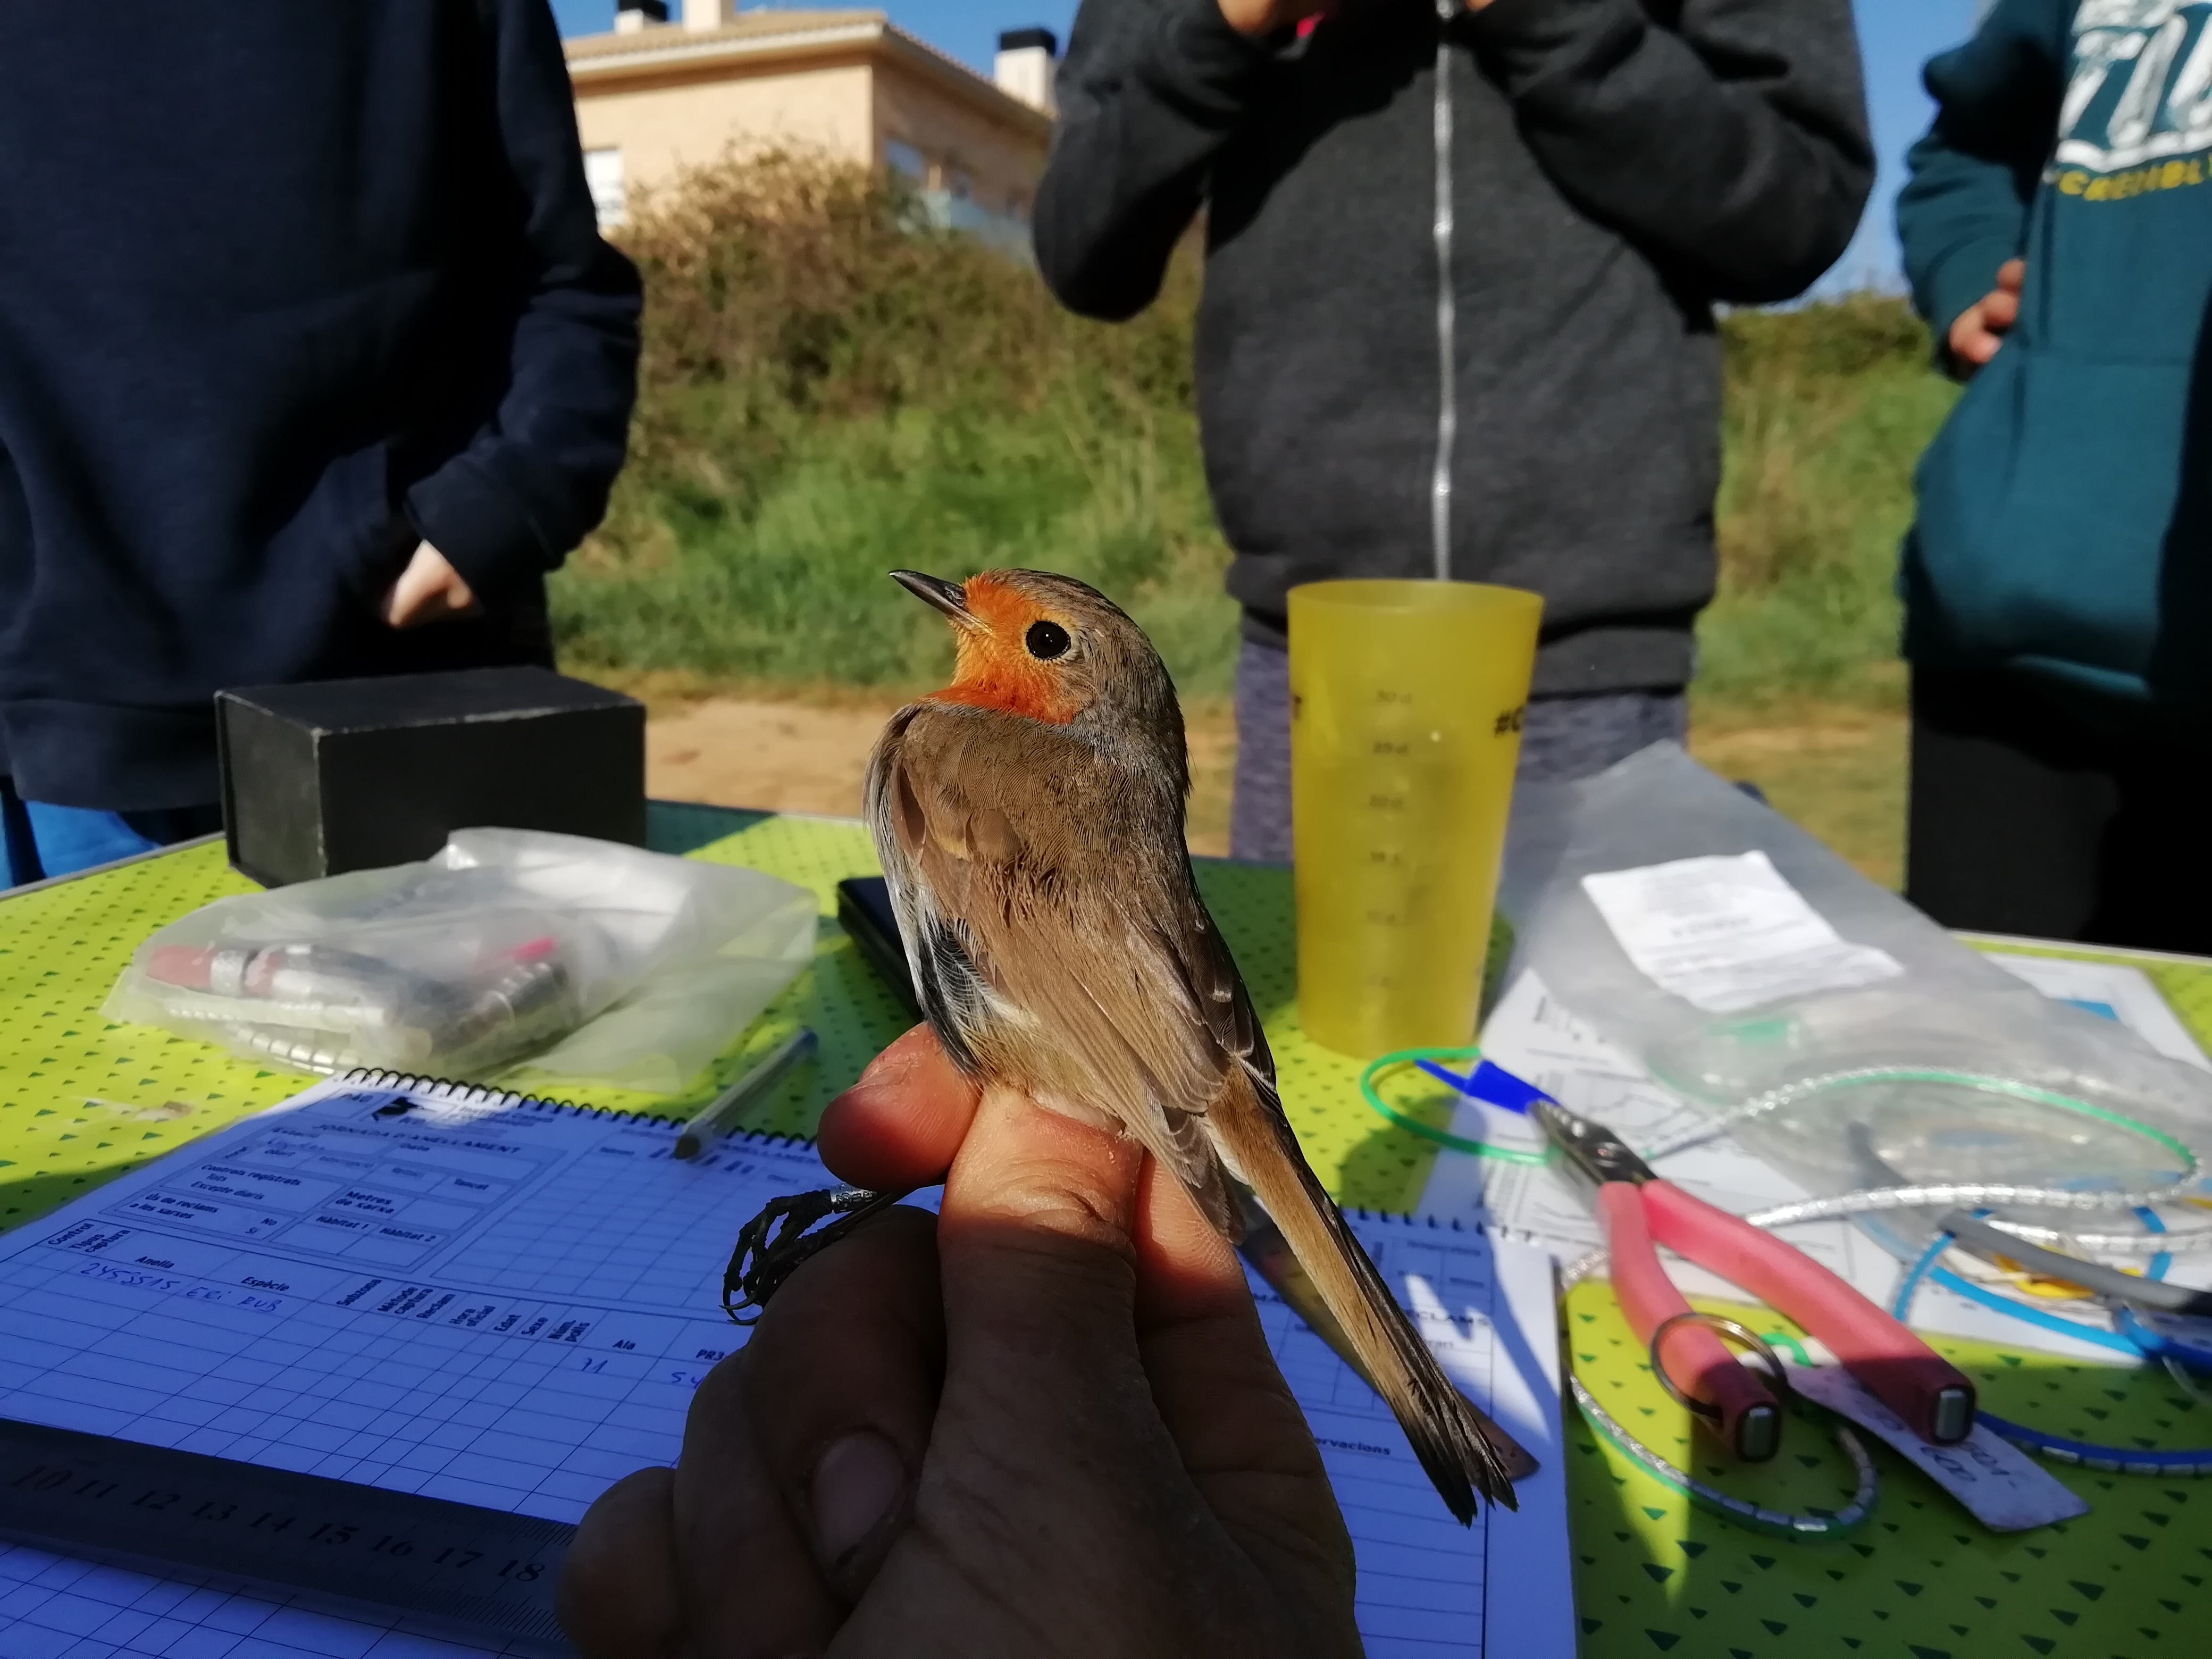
x,y
1753,1343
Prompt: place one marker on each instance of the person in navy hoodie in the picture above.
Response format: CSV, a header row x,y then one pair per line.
x,y
2057,231
312,363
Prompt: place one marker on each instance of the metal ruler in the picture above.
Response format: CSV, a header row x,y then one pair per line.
x,y
477,1573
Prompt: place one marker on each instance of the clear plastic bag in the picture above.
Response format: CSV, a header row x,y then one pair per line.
x,y
1943,1070
603,962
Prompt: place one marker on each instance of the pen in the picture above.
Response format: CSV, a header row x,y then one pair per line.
x,y
727,1107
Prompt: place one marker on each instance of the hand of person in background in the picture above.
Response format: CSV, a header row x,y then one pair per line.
x,y
1981,327
1260,17
429,590
1046,1424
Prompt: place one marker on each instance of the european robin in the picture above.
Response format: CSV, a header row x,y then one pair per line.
x,y
1030,819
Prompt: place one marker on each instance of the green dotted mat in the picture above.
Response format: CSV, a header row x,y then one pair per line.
x,y
82,1099
1654,1572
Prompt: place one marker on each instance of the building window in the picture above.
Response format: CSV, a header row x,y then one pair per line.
x,y
603,173
905,159
960,183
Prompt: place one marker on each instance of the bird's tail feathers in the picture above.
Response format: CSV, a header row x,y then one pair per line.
x,y
1446,1430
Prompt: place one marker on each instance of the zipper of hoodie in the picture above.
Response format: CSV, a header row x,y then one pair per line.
x,y
1440,477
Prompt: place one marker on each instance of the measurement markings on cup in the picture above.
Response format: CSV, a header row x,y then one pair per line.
x,y
483,1572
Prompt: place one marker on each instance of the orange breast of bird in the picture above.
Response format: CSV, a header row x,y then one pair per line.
x,y
993,671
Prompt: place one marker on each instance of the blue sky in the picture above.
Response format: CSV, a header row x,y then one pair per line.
x,y
1896,35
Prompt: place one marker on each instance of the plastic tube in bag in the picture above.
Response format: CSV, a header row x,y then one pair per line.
x,y
1886,1055
500,946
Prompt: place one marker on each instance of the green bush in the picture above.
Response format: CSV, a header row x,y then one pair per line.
x,y
1827,408
830,389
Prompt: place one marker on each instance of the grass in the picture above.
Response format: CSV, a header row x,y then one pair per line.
x,y
789,586
1827,408
831,390
1837,770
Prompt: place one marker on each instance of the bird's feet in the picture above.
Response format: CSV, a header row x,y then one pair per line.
x,y
773,1244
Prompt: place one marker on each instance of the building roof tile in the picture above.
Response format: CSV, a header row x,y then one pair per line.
x,y
762,22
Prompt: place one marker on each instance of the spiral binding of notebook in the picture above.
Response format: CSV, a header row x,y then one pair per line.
x,y
483,1094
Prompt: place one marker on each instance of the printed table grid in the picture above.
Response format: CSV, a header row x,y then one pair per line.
x,y
351,1392
548,1345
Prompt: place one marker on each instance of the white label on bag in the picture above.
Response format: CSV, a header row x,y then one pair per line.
x,y
1728,933
1999,1484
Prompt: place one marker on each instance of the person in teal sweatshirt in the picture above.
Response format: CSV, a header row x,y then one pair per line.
x,y
2057,232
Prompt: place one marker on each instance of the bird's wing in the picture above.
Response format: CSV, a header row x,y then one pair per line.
x,y
1047,932
955,996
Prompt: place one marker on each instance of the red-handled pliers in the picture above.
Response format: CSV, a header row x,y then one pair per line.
x,y
1640,1211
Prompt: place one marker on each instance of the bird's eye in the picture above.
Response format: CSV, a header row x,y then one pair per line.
x,y
1046,639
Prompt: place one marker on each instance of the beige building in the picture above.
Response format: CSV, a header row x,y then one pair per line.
x,y
657,96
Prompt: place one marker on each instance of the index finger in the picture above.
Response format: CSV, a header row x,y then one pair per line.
x,y
901,1125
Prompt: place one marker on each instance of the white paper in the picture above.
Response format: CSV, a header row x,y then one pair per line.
x,y
1998,1484
1728,933
2111,991
1428,1586
512,1305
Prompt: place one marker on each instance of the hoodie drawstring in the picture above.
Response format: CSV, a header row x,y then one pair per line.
x,y
1440,480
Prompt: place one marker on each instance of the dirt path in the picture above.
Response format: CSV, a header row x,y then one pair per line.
x,y
1842,776
799,757
783,756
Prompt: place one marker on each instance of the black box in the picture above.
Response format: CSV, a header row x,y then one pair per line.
x,y
352,774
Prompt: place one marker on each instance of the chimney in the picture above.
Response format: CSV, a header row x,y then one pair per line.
x,y
634,15
1023,66
706,14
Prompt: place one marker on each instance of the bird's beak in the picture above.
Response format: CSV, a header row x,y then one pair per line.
x,y
934,590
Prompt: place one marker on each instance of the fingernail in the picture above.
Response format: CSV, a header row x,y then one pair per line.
x,y
858,1484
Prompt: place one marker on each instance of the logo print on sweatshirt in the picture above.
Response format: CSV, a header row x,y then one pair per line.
x,y
2140,85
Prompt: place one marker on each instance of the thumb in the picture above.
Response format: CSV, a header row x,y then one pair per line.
x,y
1036,1239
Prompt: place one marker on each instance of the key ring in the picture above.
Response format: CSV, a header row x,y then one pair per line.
x,y
1815,1524
1753,1343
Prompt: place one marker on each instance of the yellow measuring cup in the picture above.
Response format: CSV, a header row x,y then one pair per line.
x,y
1406,706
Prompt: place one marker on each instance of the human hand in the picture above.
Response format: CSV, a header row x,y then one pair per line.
x,y
1980,329
1259,18
429,590
1046,1424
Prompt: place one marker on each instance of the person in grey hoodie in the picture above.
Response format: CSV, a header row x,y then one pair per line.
x,y
1460,267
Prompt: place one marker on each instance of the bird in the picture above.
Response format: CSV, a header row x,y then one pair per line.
x,y
1030,821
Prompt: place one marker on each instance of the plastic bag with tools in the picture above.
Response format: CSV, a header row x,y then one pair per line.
x,y
590,959
1833,1029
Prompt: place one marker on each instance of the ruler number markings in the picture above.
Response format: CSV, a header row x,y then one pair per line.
x,y
48,1479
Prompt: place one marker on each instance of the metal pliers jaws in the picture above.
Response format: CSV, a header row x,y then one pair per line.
x,y
1642,1211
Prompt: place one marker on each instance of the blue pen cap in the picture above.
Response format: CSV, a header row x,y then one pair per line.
x,y
1492,1085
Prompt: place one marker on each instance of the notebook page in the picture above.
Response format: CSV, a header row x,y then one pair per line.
x,y
510,1306
507,1306
1427,1586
